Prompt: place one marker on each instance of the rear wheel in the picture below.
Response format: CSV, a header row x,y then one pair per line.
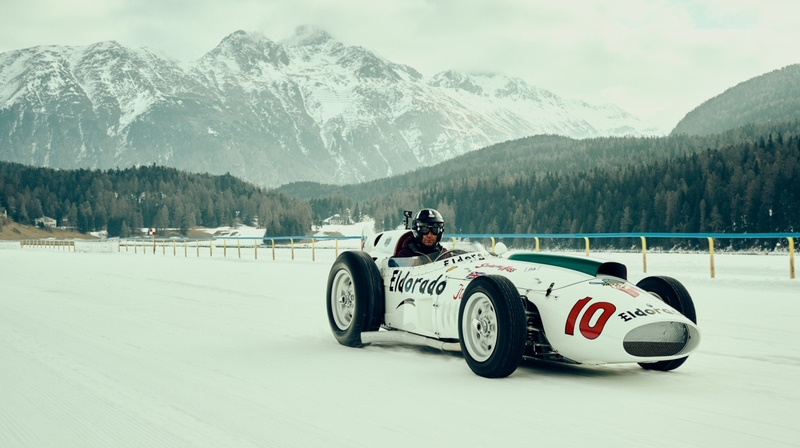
x,y
354,297
492,326
671,292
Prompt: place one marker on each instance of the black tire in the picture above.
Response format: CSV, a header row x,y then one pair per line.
x,y
354,297
675,295
492,327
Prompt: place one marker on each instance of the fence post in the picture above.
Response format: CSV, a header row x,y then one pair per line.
x,y
454,242
225,248
154,245
337,248
197,244
711,252
536,238
174,251
291,242
255,248
239,247
273,249
211,247
492,244
644,254
791,257
586,238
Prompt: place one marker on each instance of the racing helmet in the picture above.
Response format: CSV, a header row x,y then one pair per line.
x,y
427,220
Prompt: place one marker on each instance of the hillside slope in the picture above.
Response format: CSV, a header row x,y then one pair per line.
x,y
774,96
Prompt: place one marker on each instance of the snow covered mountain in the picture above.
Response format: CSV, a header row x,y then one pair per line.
x,y
306,108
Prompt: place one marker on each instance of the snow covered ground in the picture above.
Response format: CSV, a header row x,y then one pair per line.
x,y
116,349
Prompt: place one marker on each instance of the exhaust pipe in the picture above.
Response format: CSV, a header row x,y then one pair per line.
x,y
403,337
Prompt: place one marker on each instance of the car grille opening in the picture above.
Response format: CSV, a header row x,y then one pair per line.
x,y
657,339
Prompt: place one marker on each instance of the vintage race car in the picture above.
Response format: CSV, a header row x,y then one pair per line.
x,y
498,308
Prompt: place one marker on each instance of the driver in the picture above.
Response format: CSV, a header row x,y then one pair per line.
x,y
427,227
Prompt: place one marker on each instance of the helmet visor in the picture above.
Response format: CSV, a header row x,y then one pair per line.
x,y
424,229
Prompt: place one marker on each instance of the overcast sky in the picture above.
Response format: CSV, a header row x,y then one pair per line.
x,y
657,59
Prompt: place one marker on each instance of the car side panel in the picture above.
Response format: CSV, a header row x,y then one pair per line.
x,y
410,294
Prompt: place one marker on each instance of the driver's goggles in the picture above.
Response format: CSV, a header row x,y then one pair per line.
x,y
424,230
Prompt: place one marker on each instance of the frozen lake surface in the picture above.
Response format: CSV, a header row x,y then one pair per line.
x,y
122,350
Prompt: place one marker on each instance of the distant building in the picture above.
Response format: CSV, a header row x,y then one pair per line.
x,y
46,221
65,224
335,220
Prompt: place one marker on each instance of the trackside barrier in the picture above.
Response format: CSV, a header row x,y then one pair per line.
x,y
70,245
643,237
67,245
241,242
711,252
644,253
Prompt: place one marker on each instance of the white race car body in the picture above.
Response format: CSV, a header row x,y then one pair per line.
x,y
575,309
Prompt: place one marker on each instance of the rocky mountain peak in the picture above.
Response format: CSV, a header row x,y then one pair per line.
x,y
248,49
452,79
307,108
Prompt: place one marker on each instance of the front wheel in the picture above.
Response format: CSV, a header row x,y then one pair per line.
x,y
492,326
354,297
673,293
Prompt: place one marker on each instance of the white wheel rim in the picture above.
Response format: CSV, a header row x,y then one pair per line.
x,y
343,299
479,327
